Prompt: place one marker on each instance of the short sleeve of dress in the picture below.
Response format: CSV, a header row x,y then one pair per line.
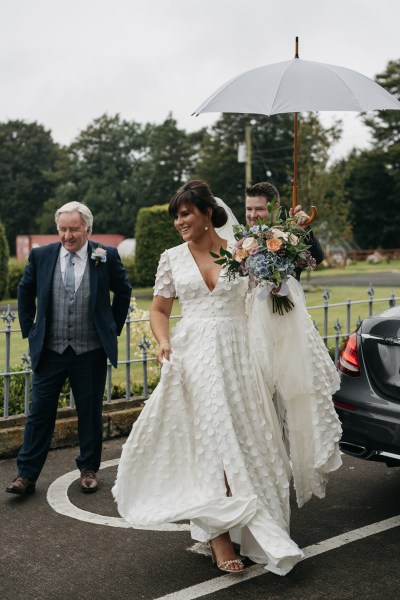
x,y
164,284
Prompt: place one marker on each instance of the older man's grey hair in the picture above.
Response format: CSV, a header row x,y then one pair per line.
x,y
84,210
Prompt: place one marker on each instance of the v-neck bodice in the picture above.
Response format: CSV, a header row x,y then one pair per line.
x,y
201,275
179,275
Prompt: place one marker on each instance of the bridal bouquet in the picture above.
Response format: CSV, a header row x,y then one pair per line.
x,y
268,252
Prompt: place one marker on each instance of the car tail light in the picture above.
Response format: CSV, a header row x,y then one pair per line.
x,y
344,405
349,362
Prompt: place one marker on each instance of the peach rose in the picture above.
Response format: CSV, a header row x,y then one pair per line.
x,y
249,243
240,255
280,234
274,244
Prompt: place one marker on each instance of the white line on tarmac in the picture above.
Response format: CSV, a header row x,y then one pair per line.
x,y
57,497
219,583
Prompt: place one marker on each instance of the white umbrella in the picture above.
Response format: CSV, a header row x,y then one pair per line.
x,y
295,86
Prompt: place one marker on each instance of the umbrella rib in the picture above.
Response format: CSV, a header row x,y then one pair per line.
x,y
279,85
347,86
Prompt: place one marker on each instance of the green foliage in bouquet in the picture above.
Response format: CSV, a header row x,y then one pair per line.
x,y
269,253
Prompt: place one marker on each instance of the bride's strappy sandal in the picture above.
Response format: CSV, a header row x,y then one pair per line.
x,y
226,565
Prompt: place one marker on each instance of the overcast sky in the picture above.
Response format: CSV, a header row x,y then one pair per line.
x,y
65,62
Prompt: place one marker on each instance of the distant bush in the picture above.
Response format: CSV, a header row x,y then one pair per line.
x,y
4,256
16,398
15,272
154,234
129,264
16,401
118,390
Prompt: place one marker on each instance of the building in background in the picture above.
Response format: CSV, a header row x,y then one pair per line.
x,y
25,243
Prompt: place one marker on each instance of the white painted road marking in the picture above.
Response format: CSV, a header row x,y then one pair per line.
x,y
57,497
220,583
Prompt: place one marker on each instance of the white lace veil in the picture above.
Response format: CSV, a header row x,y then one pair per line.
x,y
226,231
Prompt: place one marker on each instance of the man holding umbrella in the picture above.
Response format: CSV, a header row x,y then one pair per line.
x,y
258,196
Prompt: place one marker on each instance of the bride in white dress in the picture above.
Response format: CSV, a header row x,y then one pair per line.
x,y
207,446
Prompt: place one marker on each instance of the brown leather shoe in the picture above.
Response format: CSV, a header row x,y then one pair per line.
x,y
21,486
89,482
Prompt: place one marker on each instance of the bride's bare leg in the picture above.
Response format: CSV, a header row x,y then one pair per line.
x,y
224,554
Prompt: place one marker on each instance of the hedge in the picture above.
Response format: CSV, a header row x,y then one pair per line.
x,y
4,256
129,264
154,234
15,271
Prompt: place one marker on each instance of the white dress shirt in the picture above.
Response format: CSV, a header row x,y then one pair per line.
x,y
79,263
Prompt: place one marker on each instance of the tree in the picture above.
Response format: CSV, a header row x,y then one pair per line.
x,y
385,124
375,206
98,167
272,155
332,225
117,166
314,144
320,185
28,158
168,161
373,177
272,151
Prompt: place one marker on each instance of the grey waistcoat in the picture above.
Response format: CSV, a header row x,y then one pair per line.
x,y
71,318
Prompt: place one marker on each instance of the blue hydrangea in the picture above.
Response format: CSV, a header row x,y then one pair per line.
x,y
263,265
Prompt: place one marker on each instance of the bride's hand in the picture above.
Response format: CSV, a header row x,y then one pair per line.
x,y
164,351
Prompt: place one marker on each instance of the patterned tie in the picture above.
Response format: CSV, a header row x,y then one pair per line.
x,y
69,280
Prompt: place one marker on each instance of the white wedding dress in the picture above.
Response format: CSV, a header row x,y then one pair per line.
x,y
211,415
289,355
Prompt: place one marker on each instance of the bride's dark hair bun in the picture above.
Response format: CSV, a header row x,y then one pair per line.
x,y
219,216
198,193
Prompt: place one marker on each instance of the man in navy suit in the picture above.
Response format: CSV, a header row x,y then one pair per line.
x,y
66,286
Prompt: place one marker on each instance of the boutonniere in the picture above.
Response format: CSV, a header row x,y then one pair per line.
x,y
99,255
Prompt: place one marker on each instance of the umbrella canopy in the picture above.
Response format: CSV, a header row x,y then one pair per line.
x,y
298,86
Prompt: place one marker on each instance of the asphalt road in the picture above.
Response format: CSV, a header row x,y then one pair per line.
x,y
60,544
358,280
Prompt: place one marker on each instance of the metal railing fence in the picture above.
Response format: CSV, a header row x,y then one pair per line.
x,y
339,336
144,345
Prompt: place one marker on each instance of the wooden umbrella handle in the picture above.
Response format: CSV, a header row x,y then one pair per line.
x,y
295,203
310,217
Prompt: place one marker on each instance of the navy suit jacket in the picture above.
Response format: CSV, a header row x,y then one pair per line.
x,y
316,251
35,297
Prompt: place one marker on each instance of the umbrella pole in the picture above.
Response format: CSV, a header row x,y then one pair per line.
x,y
296,125
294,188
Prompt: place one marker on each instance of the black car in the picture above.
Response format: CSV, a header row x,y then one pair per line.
x,y
368,402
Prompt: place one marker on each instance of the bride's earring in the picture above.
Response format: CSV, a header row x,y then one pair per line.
x,y
206,228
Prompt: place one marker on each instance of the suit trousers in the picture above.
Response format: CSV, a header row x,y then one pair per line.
x,y
87,376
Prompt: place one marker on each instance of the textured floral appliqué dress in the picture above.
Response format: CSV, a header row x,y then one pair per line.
x,y
208,416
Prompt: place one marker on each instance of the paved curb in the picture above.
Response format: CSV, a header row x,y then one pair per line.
x,y
118,417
